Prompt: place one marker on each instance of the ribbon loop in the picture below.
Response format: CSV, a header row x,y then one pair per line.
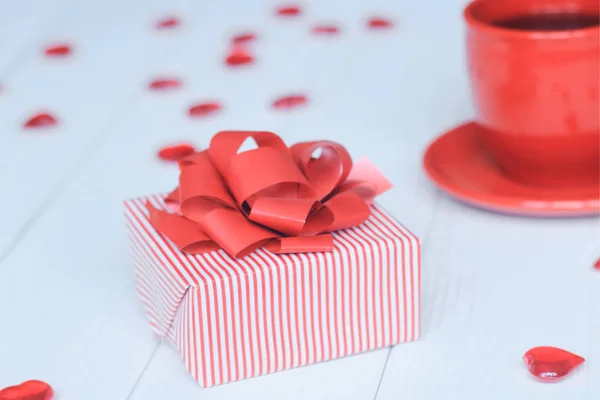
x,y
225,144
327,171
366,181
272,196
266,171
186,235
201,189
287,216
348,210
234,233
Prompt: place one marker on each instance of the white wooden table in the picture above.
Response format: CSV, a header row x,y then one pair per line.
x,y
493,286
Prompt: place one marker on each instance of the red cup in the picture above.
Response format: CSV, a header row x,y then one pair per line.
x,y
536,87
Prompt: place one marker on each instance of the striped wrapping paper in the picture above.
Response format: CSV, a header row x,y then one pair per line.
x,y
234,319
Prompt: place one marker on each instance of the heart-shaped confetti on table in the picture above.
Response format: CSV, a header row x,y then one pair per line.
x,y
290,102
41,120
176,152
380,23
58,50
597,265
324,29
243,38
168,23
238,55
163,84
289,11
204,109
29,390
550,364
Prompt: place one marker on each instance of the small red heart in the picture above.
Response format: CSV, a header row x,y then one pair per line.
x,y
289,11
380,23
204,109
325,30
238,55
550,364
30,390
176,152
597,265
40,120
58,50
165,84
291,101
243,38
168,23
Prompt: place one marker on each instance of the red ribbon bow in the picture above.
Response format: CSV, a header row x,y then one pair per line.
x,y
282,198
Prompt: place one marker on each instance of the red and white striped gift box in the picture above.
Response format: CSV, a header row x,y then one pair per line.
x,y
233,319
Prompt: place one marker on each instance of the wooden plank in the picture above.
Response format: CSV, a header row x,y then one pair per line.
x,y
495,286
23,26
75,321
68,274
114,54
354,377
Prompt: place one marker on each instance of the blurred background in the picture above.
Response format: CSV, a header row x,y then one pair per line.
x,y
81,126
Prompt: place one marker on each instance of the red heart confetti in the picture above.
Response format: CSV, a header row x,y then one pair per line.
x,y
550,364
597,265
30,390
289,11
243,38
380,23
168,23
41,120
238,55
291,101
165,84
176,152
58,50
325,30
204,109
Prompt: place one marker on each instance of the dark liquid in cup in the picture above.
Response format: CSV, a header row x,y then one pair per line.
x,y
550,22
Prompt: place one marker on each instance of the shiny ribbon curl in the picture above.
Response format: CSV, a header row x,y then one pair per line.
x,y
285,199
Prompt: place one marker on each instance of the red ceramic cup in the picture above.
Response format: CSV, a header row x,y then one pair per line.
x,y
535,83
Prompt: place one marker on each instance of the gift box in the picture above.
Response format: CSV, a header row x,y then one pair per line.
x,y
241,296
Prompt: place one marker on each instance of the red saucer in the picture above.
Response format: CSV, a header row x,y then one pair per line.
x,y
459,165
